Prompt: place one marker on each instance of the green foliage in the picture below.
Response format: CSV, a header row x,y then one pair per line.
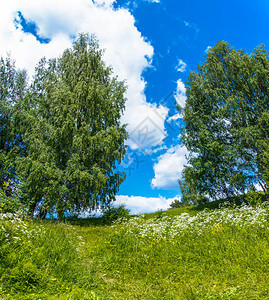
x,y
159,215
188,257
226,118
112,213
187,254
9,200
9,204
69,120
79,293
38,257
12,89
254,198
190,187
178,204
192,210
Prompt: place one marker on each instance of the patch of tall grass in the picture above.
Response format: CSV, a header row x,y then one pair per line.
x,y
216,254
38,258
210,254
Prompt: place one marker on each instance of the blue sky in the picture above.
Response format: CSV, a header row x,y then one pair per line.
x,y
153,45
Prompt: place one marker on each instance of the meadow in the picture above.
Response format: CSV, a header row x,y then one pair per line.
x,y
184,253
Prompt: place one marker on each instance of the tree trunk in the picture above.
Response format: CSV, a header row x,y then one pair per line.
x,y
32,208
42,214
60,214
264,190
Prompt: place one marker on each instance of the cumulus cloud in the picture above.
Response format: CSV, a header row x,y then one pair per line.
x,y
138,204
126,50
181,66
169,167
150,130
181,93
106,3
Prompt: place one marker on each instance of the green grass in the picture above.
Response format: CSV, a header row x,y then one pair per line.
x,y
184,253
192,210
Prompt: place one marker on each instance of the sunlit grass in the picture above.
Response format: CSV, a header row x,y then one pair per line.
x,y
210,254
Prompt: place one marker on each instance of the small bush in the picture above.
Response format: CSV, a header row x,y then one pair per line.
x,y
253,198
177,204
113,213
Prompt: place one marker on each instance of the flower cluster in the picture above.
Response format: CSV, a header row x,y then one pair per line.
x,y
14,229
215,221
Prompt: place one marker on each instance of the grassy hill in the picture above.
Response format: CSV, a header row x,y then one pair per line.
x,y
184,253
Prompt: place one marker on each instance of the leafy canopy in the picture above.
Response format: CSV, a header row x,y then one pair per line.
x,y
69,120
226,124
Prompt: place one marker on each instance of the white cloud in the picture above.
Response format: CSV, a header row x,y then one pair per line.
x,y
207,49
149,131
181,66
106,3
169,167
138,204
175,117
125,48
158,149
181,93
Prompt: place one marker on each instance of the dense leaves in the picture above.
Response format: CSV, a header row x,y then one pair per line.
x,y
72,138
226,117
12,89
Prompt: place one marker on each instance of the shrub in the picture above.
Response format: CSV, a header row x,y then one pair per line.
x,y
113,213
253,198
177,204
